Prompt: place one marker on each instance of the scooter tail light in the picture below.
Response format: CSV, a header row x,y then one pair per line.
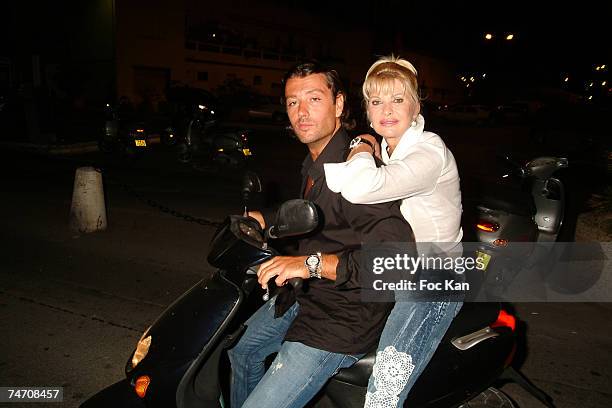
x,y
141,385
505,319
500,242
487,226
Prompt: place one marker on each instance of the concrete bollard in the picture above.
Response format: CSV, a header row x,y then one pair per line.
x,y
88,211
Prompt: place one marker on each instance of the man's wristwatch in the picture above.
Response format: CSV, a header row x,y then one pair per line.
x,y
359,140
314,264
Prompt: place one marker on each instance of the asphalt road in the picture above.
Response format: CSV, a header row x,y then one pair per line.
x,y
73,306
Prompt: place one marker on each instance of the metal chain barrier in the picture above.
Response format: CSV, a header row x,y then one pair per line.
x,y
154,204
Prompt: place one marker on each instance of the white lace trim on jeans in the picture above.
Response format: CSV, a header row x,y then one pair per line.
x,y
391,372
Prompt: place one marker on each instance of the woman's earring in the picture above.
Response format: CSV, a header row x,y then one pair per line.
x,y
371,125
413,124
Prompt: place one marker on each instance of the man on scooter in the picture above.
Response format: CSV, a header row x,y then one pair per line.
x,y
325,326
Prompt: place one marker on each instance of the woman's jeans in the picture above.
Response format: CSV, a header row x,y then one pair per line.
x,y
409,340
295,376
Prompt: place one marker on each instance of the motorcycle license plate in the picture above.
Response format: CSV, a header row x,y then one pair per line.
x,y
246,152
140,142
485,259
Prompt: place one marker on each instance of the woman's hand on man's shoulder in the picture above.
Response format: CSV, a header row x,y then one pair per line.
x,y
364,147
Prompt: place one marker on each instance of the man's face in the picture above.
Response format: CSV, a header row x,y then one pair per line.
x,y
312,109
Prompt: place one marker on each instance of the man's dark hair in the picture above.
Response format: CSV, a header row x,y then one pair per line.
x,y
334,83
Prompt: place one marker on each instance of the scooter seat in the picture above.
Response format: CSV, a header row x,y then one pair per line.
x,y
509,200
359,373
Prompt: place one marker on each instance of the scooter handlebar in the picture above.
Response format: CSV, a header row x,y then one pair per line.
x,y
295,282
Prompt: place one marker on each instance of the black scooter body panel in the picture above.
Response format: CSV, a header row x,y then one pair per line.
x,y
451,376
119,395
181,334
195,315
190,329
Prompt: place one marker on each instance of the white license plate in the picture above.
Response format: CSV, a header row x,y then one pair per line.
x,y
140,142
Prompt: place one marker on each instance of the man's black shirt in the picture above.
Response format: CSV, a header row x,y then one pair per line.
x,y
332,315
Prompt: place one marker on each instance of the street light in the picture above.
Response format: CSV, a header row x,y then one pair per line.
x,y
488,36
566,79
510,37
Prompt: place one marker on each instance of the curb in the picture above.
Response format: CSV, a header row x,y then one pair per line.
x,y
86,147
76,148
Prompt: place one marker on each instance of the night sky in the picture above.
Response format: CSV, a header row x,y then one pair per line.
x,y
549,37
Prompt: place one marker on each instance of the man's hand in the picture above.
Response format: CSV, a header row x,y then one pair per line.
x,y
284,268
362,147
259,217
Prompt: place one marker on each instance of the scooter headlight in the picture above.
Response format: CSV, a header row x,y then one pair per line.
x,y
142,348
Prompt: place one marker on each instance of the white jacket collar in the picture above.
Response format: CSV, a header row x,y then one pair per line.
x,y
412,135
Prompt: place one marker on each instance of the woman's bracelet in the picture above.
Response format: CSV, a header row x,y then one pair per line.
x,y
359,140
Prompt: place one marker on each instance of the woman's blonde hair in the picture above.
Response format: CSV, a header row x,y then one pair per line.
x,y
381,75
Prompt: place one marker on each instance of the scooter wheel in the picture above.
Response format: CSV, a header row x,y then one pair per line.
x,y
490,398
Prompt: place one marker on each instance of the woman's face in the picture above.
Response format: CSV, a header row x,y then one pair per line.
x,y
391,114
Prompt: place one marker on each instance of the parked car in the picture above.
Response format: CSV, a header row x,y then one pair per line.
x,y
464,113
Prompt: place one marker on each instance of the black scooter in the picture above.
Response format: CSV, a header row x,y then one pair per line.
x,y
180,361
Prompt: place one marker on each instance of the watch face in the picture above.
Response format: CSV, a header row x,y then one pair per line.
x,y
312,260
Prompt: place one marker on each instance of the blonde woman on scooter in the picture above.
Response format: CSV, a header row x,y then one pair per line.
x,y
421,171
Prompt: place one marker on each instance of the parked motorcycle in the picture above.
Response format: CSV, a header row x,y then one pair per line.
x,y
527,206
180,361
206,143
123,132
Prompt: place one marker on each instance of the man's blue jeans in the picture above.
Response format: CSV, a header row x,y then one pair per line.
x,y
409,340
297,373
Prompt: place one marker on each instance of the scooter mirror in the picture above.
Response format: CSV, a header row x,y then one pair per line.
x,y
294,217
515,166
250,184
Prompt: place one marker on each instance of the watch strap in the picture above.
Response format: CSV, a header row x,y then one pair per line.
x,y
314,271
